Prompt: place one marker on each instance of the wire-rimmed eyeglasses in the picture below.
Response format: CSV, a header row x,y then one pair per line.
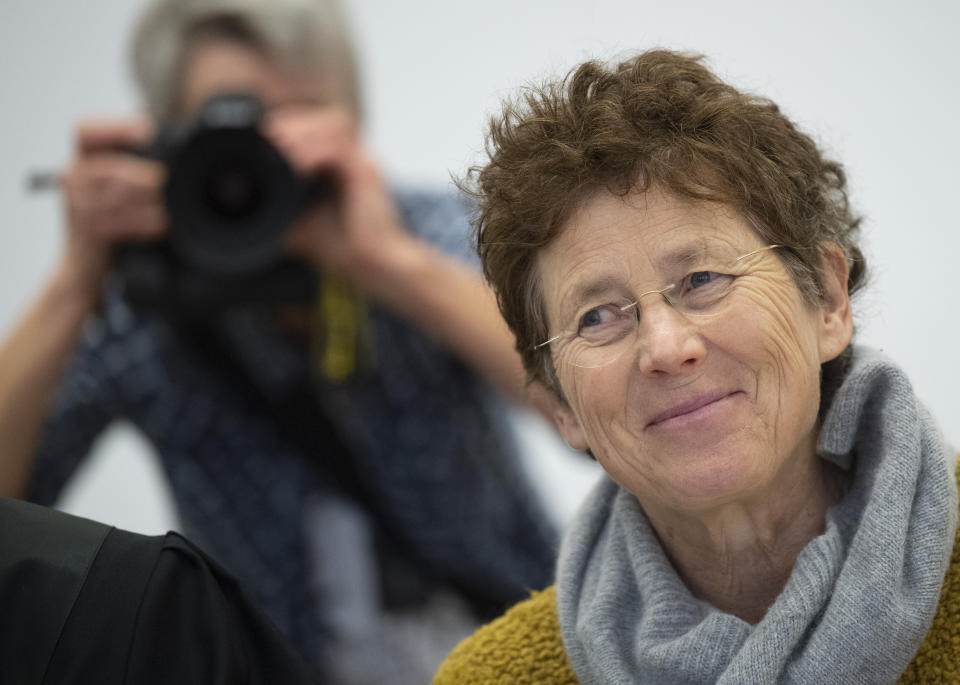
x,y
602,329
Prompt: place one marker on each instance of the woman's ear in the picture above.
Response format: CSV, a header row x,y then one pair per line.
x,y
836,315
555,409
569,426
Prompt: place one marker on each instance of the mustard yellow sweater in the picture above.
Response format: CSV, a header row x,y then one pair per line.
x,y
524,646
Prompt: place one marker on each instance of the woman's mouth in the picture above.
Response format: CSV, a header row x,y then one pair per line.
x,y
691,409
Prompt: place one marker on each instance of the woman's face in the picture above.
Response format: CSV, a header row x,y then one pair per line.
x,y
696,412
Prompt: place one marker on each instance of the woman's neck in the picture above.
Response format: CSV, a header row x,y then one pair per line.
x,y
739,556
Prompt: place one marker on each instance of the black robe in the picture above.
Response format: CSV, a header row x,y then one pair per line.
x,y
81,602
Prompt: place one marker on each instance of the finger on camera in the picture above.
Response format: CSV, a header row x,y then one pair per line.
x,y
112,181
136,224
103,135
126,170
295,123
312,140
317,227
95,203
146,223
312,156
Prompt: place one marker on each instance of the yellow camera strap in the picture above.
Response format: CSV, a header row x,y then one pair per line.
x,y
341,335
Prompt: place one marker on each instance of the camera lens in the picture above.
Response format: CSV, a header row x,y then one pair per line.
x,y
232,192
231,196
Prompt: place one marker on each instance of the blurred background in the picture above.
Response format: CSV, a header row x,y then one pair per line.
x,y
874,82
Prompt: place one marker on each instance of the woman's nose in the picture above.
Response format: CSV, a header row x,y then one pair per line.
x,y
670,343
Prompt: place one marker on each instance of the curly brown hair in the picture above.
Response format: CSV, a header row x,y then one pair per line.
x,y
660,119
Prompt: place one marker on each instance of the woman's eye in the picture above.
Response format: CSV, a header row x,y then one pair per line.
x,y
604,317
594,317
699,279
701,282
701,289
606,324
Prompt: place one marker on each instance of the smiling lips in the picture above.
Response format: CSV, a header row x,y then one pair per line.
x,y
689,406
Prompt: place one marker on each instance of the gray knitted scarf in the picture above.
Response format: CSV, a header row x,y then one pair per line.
x,y
861,596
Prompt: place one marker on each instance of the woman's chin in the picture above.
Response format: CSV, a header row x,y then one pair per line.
x,y
710,483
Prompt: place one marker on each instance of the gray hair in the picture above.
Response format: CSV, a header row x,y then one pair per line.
x,y
310,36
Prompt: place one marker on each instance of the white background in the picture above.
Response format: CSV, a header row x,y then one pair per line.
x,y
875,82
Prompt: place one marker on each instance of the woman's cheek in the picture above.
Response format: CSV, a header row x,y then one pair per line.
x,y
598,401
787,365
784,326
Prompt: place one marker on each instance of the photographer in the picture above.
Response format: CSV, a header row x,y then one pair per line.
x,y
344,460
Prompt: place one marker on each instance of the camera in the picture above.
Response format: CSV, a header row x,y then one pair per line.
x,y
231,196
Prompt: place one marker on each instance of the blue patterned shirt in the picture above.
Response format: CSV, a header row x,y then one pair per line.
x,y
425,437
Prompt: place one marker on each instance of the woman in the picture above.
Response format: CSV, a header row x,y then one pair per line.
x,y
676,261
375,511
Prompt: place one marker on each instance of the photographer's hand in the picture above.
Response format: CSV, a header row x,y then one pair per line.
x,y
109,195
357,235
361,238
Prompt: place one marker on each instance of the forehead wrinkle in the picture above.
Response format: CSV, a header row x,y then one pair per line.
x,y
690,252
687,231
685,255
